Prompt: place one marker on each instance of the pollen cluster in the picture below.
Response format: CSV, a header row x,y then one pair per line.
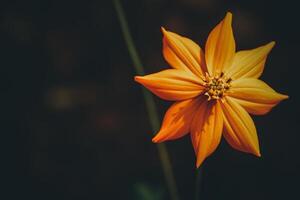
x,y
216,86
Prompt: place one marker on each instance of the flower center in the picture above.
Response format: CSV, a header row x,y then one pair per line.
x,y
216,86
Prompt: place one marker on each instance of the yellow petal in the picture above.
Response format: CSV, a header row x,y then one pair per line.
x,y
250,63
206,129
182,53
177,120
240,131
172,84
220,47
255,95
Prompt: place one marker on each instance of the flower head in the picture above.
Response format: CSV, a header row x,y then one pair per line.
x,y
214,91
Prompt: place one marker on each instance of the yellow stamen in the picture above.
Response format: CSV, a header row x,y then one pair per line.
x,y
217,86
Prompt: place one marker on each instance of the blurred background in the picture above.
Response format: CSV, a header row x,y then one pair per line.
x,y
74,121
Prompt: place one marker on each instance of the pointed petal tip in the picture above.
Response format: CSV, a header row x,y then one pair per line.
x,y
228,16
137,78
155,139
258,154
199,163
282,96
165,33
272,43
163,30
160,136
140,79
285,97
255,150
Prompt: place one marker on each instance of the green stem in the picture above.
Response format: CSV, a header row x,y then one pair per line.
x,y
199,173
150,105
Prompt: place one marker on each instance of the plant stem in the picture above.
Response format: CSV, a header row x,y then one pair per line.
x,y
150,105
199,173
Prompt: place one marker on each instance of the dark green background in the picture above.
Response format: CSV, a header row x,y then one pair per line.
x,y
75,124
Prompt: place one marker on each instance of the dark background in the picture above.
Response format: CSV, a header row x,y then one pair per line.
x,y
74,121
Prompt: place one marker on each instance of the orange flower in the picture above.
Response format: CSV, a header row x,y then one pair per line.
x,y
214,91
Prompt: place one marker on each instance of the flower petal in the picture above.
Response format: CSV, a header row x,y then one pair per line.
x,y
182,53
172,84
240,131
177,120
206,129
250,63
255,95
220,46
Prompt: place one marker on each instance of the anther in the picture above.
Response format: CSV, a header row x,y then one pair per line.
x,y
229,80
216,86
